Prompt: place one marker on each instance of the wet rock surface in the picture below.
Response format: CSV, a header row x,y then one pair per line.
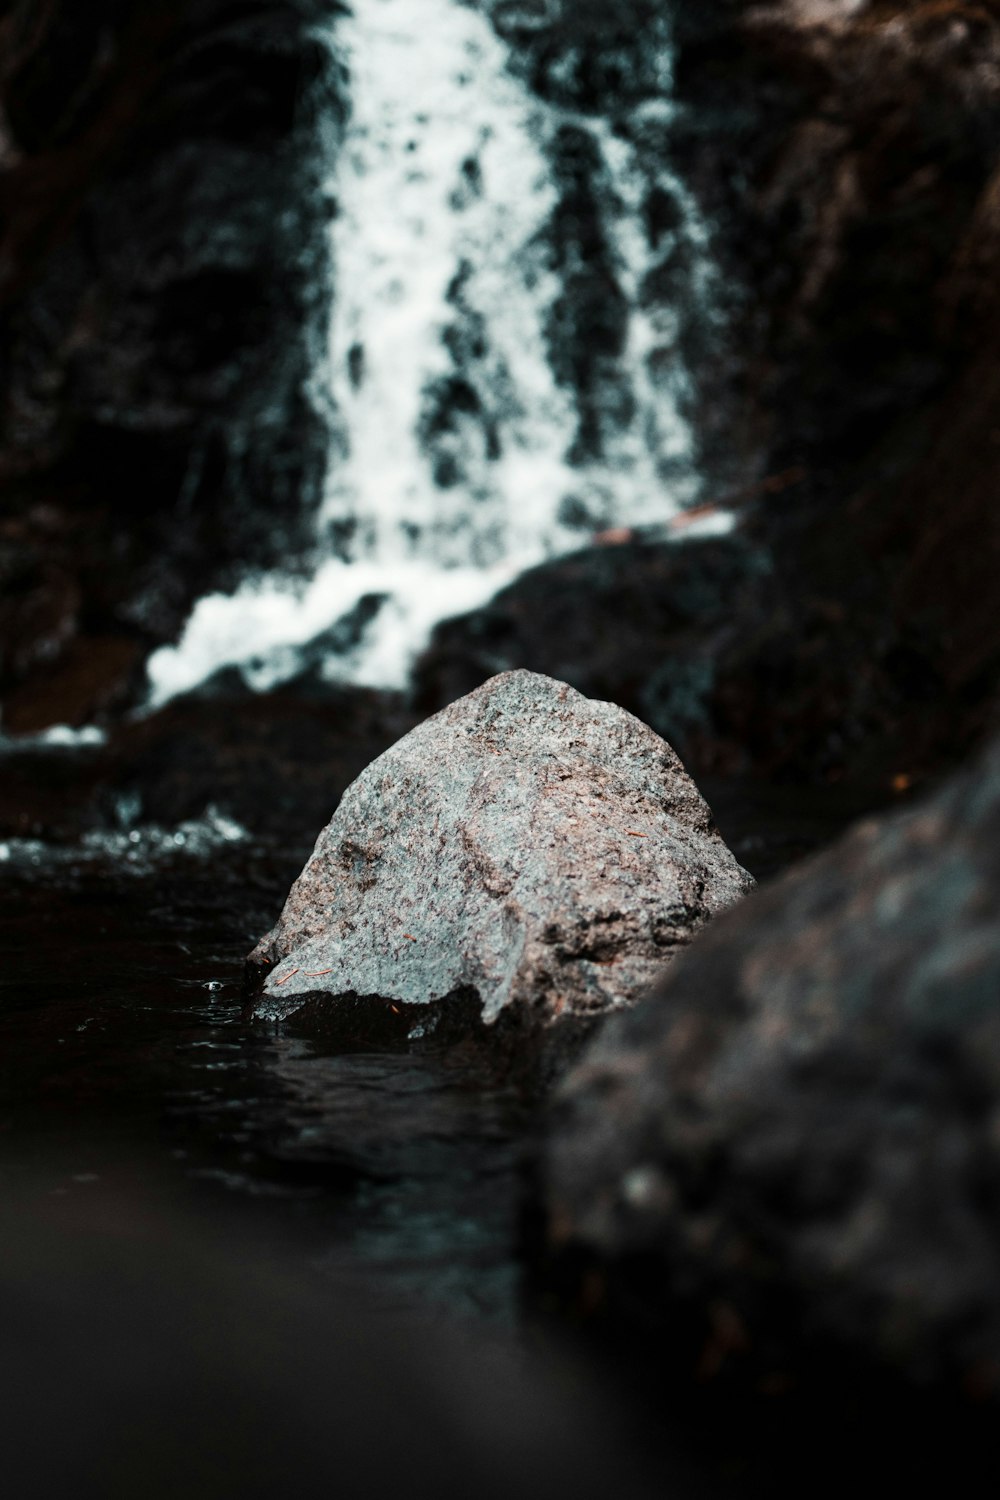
x,y
847,156
163,298
738,664
783,1166
539,849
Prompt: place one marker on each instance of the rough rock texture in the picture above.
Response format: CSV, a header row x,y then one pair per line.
x,y
544,851
163,301
786,1162
849,156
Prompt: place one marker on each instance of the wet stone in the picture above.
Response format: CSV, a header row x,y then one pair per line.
x,y
541,851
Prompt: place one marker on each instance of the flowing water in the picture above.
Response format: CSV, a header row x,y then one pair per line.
x,y
476,427
465,445
473,433
123,1041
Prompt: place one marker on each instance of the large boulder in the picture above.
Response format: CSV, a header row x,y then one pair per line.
x,y
787,1160
526,847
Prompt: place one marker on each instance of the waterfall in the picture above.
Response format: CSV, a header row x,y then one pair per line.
x,y
472,436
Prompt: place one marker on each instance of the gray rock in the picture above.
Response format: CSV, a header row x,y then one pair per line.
x,y
798,1136
528,845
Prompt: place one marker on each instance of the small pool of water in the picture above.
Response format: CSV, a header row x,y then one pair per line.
x,y
122,1037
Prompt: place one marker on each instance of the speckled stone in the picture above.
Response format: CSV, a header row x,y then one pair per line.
x,y
542,850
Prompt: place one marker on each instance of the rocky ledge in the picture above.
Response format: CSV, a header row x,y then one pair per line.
x,y
540,852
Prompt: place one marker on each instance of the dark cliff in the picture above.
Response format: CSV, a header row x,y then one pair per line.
x,y
850,156
162,306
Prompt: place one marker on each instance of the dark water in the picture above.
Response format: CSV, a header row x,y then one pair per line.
x,y
121,1034
122,1039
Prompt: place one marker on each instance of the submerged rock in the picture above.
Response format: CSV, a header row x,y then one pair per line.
x,y
788,1158
527,845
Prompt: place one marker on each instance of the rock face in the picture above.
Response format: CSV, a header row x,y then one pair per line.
x,y
787,1160
544,851
848,154
164,290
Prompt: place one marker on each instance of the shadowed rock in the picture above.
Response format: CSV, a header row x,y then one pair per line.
x,y
544,851
178,1360
164,288
797,1139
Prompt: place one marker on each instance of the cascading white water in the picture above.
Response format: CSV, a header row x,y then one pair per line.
x,y
452,458
442,178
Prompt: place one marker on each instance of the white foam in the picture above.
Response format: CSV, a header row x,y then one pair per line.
x,y
135,851
57,736
260,627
